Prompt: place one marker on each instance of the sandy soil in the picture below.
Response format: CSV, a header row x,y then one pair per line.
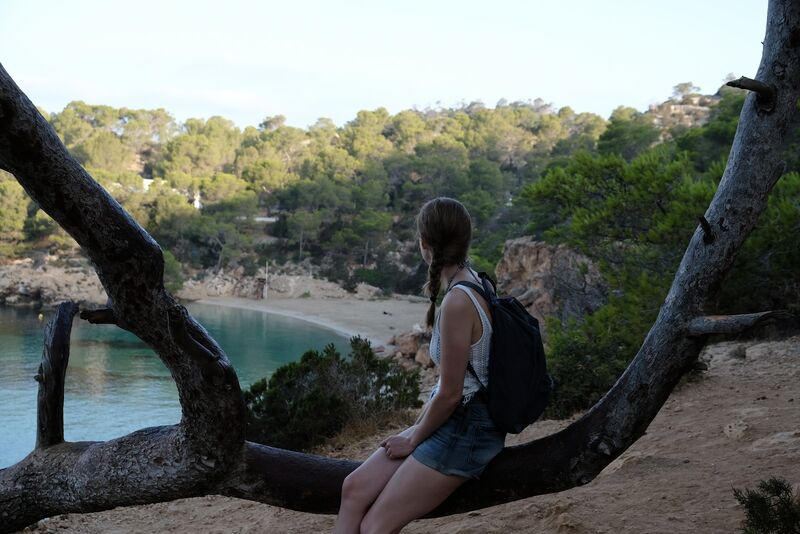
x,y
377,320
732,426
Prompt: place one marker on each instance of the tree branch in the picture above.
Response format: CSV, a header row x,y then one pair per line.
x,y
765,93
708,234
55,357
99,316
733,324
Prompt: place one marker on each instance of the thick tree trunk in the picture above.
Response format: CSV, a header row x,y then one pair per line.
x,y
206,452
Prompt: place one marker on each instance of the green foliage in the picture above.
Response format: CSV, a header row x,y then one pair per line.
x,y
39,225
765,274
173,278
634,217
711,142
346,196
305,402
343,194
586,357
13,208
203,148
104,150
770,509
629,133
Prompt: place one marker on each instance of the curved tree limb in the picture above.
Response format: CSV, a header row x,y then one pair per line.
x,y
153,464
206,452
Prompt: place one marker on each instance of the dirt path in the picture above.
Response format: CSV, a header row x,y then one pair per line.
x,y
731,428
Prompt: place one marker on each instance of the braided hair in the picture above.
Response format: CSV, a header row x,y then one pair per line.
x,y
444,225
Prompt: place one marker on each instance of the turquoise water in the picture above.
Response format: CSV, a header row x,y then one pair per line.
x,y
115,384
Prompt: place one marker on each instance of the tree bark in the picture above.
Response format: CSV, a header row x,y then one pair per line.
x,y
52,370
206,452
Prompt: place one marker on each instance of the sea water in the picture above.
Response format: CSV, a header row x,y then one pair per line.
x,y
116,384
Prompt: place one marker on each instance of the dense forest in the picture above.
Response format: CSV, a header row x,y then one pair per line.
x,y
342,198
627,192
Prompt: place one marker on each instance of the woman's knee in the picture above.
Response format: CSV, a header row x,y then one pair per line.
x,y
353,492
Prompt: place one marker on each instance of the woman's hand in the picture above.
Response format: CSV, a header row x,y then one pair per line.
x,y
398,446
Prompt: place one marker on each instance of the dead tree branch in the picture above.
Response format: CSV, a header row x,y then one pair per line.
x,y
733,324
765,93
55,357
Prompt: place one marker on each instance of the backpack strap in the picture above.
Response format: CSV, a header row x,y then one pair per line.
x,y
487,289
487,295
484,277
481,290
472,371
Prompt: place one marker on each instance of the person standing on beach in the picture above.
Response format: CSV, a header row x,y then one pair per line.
x,y
454,438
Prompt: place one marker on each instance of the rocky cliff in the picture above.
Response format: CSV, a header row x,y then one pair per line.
x,y
48,281
550,280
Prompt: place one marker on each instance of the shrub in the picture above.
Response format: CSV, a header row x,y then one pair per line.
x,y
173,277
771,509
305,402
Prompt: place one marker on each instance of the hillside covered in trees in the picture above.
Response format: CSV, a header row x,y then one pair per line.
x,y
627,192
342,198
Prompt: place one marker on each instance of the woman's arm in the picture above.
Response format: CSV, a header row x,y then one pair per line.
x,y
422,412
455,328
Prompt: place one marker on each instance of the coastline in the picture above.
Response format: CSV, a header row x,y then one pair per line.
x,y
376,320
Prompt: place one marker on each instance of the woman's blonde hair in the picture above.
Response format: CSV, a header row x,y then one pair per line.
x,y
444,225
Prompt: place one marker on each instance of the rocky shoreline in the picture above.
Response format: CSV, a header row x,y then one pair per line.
x,y
45,281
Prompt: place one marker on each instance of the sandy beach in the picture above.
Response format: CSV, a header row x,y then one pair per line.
x,y
377,320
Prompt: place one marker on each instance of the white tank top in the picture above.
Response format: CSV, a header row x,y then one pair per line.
x,y
478,351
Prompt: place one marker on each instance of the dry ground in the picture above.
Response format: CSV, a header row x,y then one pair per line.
x,y
732,427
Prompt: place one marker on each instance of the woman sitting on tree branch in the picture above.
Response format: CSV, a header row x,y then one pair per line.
x,y
454,438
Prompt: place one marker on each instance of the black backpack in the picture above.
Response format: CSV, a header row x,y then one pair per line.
x,y
519,385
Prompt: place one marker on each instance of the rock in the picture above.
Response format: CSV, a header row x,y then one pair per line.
x,y
408,342
71,279
407,364
756,352
423,356
366,291
735,430
780,441
550,280
738,352
723,354
379,349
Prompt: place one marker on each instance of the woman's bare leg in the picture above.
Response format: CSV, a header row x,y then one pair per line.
x,y
414,490
362,487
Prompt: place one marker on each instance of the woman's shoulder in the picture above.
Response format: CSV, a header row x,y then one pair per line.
x,y
456,301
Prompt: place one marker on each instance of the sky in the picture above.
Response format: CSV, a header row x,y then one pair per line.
x,y
308,59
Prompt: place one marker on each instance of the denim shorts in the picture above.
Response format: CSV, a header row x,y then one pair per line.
x,y
465,443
